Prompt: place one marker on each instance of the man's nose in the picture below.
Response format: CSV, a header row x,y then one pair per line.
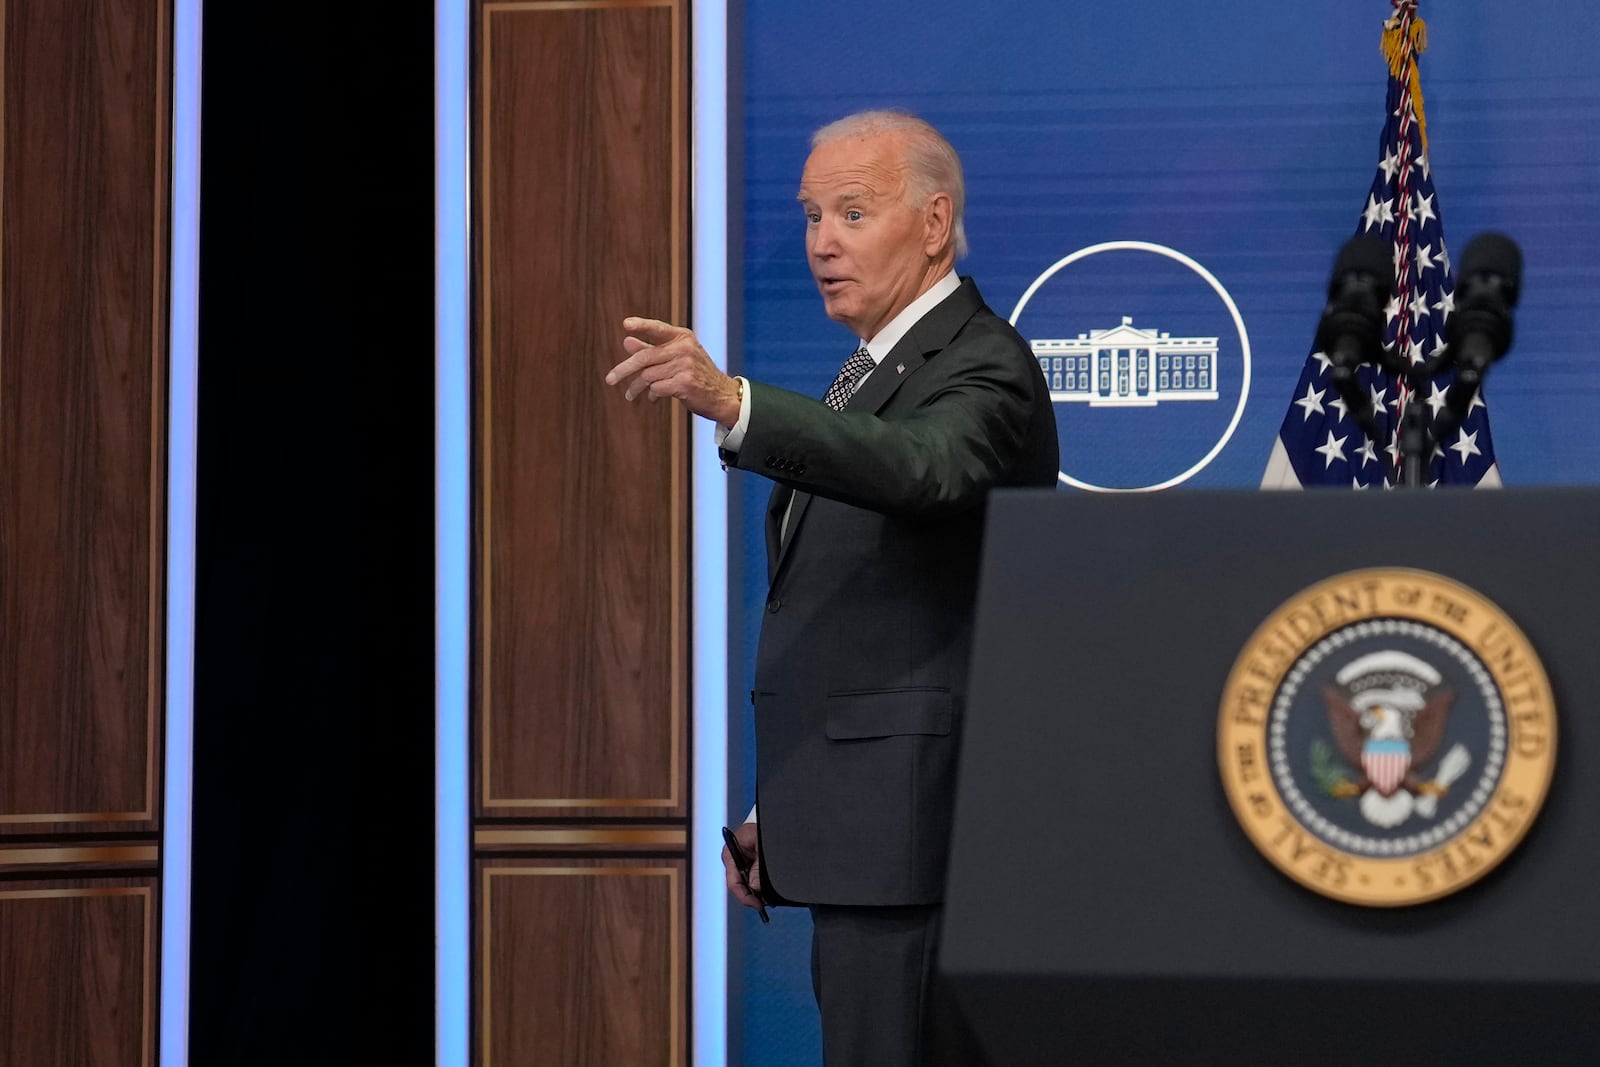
x,y
824,243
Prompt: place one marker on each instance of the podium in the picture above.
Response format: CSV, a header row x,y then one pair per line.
x,y
1105,904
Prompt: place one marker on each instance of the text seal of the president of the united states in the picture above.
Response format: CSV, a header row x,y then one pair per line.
x,y
1387,737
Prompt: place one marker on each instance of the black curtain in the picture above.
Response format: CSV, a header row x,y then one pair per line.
x,y
313,836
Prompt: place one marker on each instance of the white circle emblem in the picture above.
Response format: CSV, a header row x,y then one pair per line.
x,y
1238,322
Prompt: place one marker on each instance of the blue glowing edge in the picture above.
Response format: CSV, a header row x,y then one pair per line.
x,y
452,530
183,377
709,317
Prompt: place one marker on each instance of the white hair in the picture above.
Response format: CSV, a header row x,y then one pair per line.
x,y
931,163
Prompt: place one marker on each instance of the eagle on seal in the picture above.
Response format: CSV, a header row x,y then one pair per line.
x,y
1388,711
1385,741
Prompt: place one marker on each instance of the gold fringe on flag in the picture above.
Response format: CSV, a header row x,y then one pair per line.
x,y
1405,37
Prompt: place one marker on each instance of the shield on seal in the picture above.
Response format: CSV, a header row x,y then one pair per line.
x,y
1386,763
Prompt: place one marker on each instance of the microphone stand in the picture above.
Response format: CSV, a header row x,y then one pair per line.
x,y
1414,441
1414,445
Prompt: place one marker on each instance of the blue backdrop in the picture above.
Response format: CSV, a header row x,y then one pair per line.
x,y
1242,136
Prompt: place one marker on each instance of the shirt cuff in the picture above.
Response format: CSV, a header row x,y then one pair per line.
x,y
730,439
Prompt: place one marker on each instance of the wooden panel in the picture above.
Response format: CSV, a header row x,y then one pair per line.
x,y
82,259
78,857
582,964
576,839
581,567
77,973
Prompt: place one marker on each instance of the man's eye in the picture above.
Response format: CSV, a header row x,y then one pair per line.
x,y
813,217
853,215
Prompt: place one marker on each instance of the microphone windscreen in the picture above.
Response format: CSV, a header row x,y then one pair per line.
x,y
1493,255
1364,254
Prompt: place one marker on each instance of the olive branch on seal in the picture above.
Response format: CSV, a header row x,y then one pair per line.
x,y
1326,772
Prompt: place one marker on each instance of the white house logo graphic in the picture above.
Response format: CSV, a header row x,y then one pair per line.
x,y
1126,366
1147,360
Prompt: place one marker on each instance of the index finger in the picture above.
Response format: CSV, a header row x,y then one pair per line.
x,y
653,330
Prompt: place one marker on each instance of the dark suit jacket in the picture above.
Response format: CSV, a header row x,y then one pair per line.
x,y
861,674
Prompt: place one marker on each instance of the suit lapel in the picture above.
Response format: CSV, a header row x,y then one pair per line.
x,y
887,377
923,341
931,333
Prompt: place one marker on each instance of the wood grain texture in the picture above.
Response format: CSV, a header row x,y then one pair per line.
x,y
582,498
77,973
83,177
582,963
78,857
575,838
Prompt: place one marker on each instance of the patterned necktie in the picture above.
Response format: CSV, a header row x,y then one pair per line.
x,y
855,368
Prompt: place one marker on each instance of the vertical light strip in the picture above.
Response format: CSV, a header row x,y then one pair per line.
x,y
709,922
452,529
182,406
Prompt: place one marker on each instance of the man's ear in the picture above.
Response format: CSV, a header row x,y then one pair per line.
x,y
937,224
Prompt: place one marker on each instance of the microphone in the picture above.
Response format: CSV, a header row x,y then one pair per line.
x,y
1479,331
1351,330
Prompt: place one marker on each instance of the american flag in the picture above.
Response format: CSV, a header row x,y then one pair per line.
x,y
1319,442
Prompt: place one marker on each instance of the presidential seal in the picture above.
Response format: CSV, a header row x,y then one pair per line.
x,y
1387,737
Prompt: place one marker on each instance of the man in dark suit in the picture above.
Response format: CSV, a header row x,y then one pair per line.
x,y
873,537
